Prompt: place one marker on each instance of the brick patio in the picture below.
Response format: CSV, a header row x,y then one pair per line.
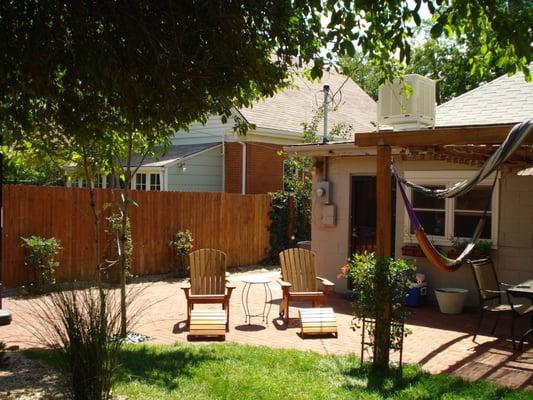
x,y
439,343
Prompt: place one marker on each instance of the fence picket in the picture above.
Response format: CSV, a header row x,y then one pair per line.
x,y
235,224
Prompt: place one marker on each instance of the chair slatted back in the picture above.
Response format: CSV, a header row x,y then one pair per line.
x,y
207,271
298,268
485,278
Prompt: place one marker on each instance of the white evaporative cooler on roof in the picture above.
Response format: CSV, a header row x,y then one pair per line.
x,y
402,112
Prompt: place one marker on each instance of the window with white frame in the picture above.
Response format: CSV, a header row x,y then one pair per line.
x,y
99,181
431,212
468,209
155,182
147,181
140,181
457,217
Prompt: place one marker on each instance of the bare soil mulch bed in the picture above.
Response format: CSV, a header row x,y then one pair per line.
x,y
25,379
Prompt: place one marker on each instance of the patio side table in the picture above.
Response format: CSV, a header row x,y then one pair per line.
x,y
249,281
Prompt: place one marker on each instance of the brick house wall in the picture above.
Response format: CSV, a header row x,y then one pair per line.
x,y
232,165
264,168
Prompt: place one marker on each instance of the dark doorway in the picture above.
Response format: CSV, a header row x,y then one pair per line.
x,y
363,214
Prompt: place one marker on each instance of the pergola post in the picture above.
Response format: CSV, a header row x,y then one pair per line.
x,y
384,201
383,249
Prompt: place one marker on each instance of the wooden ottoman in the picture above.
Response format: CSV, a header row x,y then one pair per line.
x,y
318,321
207,323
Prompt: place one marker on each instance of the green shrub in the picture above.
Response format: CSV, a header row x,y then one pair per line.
x,y
114,227
371,278
182,243
40,259
482,248
279,223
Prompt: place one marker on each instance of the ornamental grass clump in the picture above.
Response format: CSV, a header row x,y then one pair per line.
x,y
83,327
41,255
182,243
3,356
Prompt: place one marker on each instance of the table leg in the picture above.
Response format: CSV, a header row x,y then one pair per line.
x,y
244,301
268,299
523,338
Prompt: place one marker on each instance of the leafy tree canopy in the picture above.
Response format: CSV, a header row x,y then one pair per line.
x,y
448,61
95,66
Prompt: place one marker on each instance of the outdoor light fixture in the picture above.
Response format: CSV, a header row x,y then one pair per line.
x,y
182,167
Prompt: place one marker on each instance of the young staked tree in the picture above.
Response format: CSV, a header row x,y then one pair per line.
x,y
144,68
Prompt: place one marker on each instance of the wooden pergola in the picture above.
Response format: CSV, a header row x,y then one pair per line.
x,y
467,145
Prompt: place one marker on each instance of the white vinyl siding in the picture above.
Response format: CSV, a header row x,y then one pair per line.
x,y
212,132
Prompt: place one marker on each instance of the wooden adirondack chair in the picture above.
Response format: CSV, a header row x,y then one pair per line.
x,y
207,283
299,281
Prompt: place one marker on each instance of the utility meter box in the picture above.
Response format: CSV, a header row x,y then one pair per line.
x,y
328,216
323,192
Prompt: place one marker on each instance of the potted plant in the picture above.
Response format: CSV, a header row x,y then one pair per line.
x,y
481,250
182,243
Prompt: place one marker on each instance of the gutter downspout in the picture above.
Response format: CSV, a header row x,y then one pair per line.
x,y
243,168
164,186
223,162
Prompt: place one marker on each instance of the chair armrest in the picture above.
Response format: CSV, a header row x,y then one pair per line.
x,y
230,285
493,291
186,287
284,284
229,288
325,282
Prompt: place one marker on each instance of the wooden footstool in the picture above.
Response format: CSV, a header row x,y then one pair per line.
x,y
207,323
317,321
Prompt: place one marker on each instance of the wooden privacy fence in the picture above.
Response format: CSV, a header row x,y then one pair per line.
x,y
235,224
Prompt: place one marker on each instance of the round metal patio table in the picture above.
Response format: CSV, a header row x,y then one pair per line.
x,y
249,281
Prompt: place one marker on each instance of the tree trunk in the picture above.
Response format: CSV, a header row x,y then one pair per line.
x,y
123,238
383,317
96,224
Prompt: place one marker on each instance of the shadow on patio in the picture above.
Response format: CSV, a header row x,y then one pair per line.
x,y
439,343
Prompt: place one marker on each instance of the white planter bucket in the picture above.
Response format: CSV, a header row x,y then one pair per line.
x,y
451,300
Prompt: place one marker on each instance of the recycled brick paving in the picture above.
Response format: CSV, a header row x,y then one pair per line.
x,y
439,342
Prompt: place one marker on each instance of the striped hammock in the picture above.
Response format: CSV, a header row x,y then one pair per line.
x,y
433,255
513,140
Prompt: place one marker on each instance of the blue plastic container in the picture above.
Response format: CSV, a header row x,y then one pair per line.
x,y
416,295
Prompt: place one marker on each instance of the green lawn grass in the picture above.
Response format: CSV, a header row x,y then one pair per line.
x,y
231,371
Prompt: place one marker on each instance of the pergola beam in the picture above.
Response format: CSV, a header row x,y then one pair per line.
x,y
494,134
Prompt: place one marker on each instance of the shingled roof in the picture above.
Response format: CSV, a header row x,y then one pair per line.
x,y
288,109
505,100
